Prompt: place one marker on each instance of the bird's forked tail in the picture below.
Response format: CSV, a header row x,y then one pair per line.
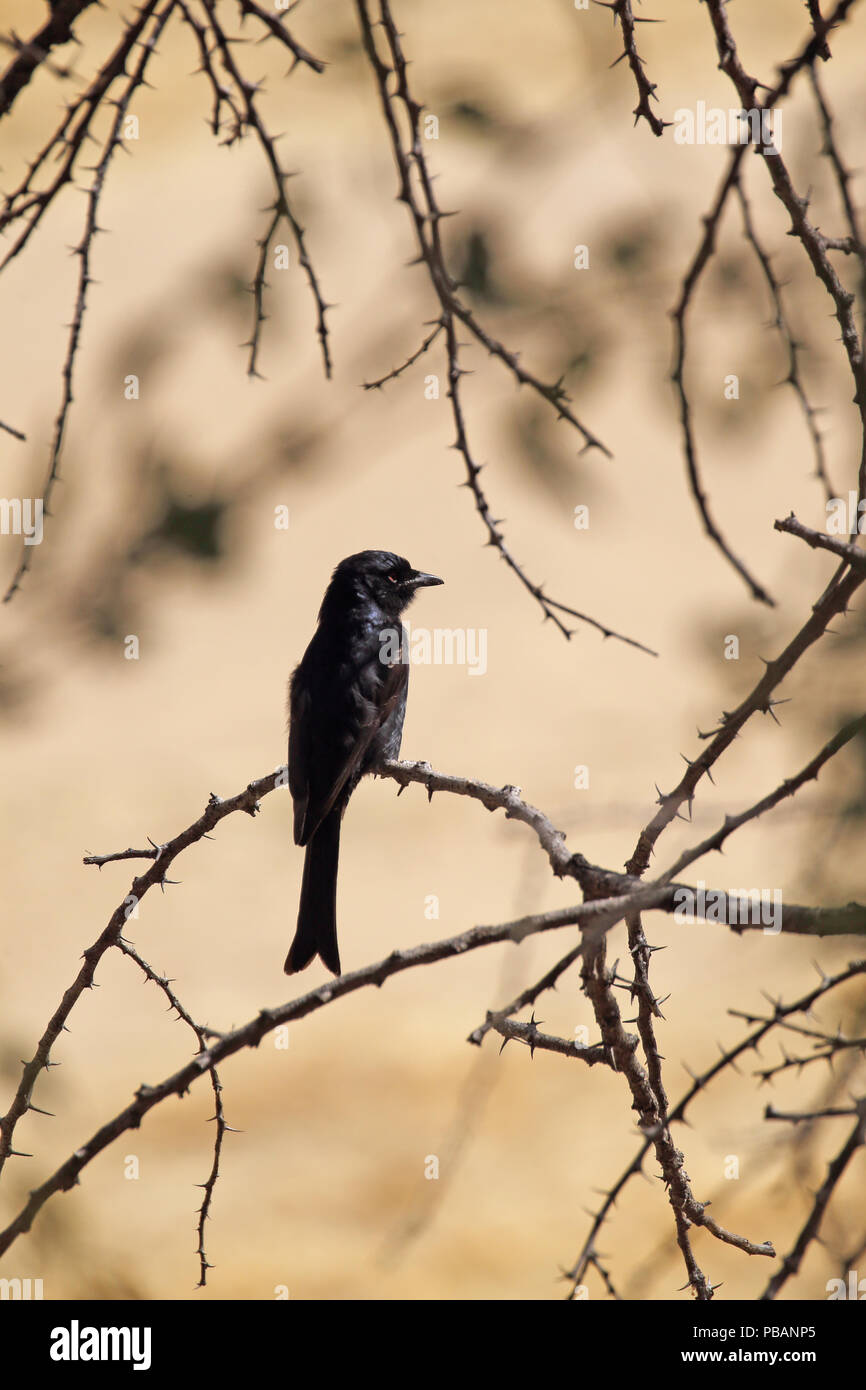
x,y
316,932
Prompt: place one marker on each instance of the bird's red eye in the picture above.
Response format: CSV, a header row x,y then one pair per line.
x,y
392,578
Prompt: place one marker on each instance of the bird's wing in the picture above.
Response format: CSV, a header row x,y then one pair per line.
x,y
391,692
299,767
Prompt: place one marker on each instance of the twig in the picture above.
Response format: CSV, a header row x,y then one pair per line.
x,y
814,8
653,1120
277,28
812,1225
746,88
416,191
222,95
843,180
787,788
69,136
852,554
281,208
526,996
216,810
833,601
622,12
728,1058
222,1127
814,243
528,1033
409,362
704,253
792,347
56,31
83,252
250,1035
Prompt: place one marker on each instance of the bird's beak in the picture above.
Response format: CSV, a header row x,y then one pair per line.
x,y
420,580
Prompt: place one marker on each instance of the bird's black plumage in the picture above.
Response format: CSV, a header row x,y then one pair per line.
x,y
347,702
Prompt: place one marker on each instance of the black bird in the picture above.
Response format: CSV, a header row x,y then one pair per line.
x,y
347,702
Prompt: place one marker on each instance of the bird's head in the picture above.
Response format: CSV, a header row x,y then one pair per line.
x,y
381,576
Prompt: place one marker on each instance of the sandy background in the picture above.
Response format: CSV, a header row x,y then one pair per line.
x,y
323,1189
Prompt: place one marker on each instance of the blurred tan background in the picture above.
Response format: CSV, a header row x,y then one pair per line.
x,y
163,528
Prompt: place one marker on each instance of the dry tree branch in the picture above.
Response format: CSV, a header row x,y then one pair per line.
x,y
812,1225
705,252
785,789
409,361
831,1112
250,1035
54,33
66,142
608,897
278,30
823,48
792,346
219,1119
528,1033
844,177
746,89
624,14
27,204
595,916
83,250
529,995
813,241
550,607
654,1121
613,888
728,1058
216,810
222,94
828,1047
428,211
852,554
416,191
281,208
832,602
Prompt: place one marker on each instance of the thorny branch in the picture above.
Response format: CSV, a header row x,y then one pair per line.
x,y
853,555
219,1119
83,251
609,897
599,915
787,788
281,208
624,15
814,244
54,33
728,1058
27,204
601,910
416,191
812,1225
792,345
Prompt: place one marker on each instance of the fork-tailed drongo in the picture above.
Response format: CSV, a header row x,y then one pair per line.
x,y
347,701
